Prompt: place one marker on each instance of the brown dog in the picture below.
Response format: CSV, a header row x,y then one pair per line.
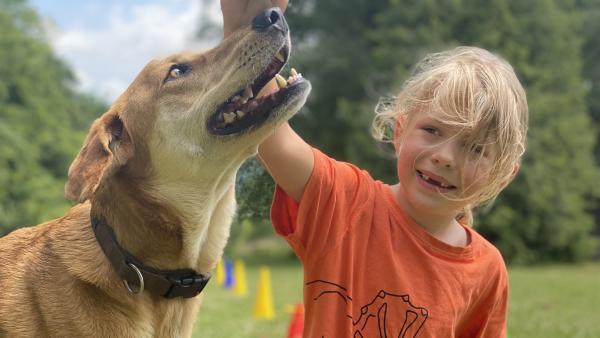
x,y
155,182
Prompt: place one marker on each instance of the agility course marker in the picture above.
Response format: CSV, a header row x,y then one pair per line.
x,y
296,328
263,308
229,278
240,288
220,273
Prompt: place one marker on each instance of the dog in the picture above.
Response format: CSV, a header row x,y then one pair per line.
x,y
154,182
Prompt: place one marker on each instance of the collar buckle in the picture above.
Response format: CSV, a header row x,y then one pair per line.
x,y
186,286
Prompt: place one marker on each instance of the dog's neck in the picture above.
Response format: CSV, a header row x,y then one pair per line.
x,y
169,225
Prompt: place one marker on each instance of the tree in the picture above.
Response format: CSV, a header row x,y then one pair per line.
x,y
43,120
590,28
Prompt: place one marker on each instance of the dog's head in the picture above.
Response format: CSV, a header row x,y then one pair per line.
x,y
190,114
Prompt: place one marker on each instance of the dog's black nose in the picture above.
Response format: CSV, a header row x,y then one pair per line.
x,y
272,17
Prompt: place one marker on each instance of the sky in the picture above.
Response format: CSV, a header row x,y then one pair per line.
x,y
107,42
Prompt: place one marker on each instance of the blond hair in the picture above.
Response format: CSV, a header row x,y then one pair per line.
x,y
475,91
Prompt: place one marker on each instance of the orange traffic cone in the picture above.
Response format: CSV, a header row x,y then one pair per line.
x,y
296,327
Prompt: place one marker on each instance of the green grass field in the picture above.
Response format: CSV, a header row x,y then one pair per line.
x,y
561,301
225,315
555,301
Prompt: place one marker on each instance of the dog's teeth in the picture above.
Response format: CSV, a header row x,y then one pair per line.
x,y
293,72
248,94
235,98
229,117
281,82
239,114
280,57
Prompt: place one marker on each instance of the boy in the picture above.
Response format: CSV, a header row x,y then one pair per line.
x,y
402,260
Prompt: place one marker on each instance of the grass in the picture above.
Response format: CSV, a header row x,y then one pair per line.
x,y
225,315
561,301
555,301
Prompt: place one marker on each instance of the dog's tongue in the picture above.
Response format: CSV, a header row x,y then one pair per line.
x,y
270,88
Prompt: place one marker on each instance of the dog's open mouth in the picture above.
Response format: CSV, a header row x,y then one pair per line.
x,y
244,109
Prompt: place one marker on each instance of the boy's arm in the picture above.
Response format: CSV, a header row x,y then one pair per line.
x,y
288,159
284,154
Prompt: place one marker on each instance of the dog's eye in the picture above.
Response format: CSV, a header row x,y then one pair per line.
x,y
177,71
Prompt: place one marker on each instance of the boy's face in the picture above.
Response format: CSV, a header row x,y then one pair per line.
x,y
435,170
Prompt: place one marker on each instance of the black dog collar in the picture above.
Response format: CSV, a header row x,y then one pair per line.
x,y
184,283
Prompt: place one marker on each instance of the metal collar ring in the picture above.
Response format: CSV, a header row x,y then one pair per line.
x,y
140,289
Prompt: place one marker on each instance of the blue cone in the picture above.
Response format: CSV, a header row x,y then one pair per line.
x,y
229,278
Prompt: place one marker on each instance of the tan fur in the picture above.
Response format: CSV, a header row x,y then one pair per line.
x,y
166,187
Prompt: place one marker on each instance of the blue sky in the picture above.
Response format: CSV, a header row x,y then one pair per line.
x,y
107,42
70,14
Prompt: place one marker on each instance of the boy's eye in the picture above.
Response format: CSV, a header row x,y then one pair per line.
x,y
477,149
431,130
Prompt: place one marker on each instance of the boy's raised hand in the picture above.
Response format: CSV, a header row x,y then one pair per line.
x,y
237,13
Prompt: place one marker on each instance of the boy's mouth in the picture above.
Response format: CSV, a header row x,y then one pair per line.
x,y
435,182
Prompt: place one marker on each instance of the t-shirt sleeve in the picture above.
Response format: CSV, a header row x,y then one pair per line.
x,y
495,323
489,317
333,194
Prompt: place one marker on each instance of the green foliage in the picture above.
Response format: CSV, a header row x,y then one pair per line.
x,y
254,190
590,29
42,120
550,199
353,50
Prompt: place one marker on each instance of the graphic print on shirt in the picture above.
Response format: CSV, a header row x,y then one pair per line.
x,y
385,315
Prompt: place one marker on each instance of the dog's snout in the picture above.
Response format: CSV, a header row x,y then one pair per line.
x,y
272,17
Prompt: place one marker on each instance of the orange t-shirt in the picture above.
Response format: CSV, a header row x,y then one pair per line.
x,y
370,271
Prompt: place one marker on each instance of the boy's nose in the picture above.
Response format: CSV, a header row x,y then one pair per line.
x,y
444,155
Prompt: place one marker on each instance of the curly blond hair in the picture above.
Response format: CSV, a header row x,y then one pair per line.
x,y
475,91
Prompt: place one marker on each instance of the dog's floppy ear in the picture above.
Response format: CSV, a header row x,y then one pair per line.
x,y
107,147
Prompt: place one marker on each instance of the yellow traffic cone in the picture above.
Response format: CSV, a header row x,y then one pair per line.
x,y
240,288
263,309
220,273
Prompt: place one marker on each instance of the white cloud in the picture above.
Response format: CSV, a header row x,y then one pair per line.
x,y
107,58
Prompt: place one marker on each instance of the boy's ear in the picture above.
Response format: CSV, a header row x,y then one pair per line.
x,y
398,130
107,147
515,171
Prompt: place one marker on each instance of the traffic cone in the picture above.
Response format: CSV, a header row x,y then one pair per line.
x,y
296,328
240,288
229,278
263,308
220,273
